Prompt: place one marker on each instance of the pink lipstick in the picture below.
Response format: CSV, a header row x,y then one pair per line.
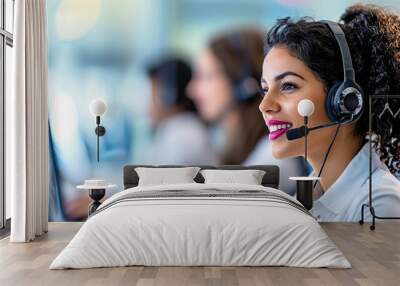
x,y
277,128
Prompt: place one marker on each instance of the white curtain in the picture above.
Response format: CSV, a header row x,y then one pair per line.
x,y
27,122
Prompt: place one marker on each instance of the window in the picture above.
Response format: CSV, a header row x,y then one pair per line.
x,y
6,43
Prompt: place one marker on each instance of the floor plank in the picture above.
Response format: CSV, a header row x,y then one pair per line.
x,y
374,255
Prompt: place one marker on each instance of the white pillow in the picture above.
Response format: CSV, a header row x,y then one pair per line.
x,y
162,176
248,177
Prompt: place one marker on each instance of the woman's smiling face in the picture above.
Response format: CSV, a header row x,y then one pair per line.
x,y
286,80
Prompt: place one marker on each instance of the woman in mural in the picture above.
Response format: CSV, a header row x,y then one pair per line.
x,y
179,137
302,61
225,90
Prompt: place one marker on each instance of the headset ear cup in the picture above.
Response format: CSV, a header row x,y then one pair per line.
x,y
354,101
330,101
238,92
247,88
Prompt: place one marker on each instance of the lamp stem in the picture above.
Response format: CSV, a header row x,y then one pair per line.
x,y
305,137
98,137
98,153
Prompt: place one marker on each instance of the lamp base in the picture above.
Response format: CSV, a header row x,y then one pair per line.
x,y
96,195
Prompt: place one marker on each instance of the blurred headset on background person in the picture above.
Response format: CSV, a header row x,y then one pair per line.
x,y
246,86
241,73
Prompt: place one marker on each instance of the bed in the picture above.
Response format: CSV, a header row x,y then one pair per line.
x,y
201,224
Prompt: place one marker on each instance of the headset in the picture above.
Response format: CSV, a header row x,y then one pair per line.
x,y
344,102
247,86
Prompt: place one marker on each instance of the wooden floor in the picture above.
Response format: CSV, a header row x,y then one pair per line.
x,y
375,257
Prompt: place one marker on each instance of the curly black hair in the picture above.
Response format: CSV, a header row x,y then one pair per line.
x,y
373,36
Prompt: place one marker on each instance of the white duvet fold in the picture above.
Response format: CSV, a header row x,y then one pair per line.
x,y
189,230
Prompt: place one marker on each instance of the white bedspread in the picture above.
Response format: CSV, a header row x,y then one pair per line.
x,y
200,231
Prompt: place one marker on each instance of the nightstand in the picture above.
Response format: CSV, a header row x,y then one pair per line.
x,y
97,190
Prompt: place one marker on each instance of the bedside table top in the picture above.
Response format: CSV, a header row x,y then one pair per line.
x,y
89,187
305,178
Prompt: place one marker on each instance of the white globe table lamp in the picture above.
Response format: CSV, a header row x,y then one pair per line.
x,y
97,108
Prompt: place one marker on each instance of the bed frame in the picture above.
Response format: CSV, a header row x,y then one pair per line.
x,y
270,179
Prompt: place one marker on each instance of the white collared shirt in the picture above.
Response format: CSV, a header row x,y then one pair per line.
x,y
181,140
343,200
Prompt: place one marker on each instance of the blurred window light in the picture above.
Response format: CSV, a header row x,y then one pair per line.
x,y
75,18
293,2
9,6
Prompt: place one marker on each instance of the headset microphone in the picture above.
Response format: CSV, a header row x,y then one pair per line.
x,y
296,133
300,132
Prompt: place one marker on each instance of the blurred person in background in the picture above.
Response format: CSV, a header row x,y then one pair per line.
x,y
179,136
226,92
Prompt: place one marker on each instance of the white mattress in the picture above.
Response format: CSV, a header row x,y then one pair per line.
x,y
200,231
